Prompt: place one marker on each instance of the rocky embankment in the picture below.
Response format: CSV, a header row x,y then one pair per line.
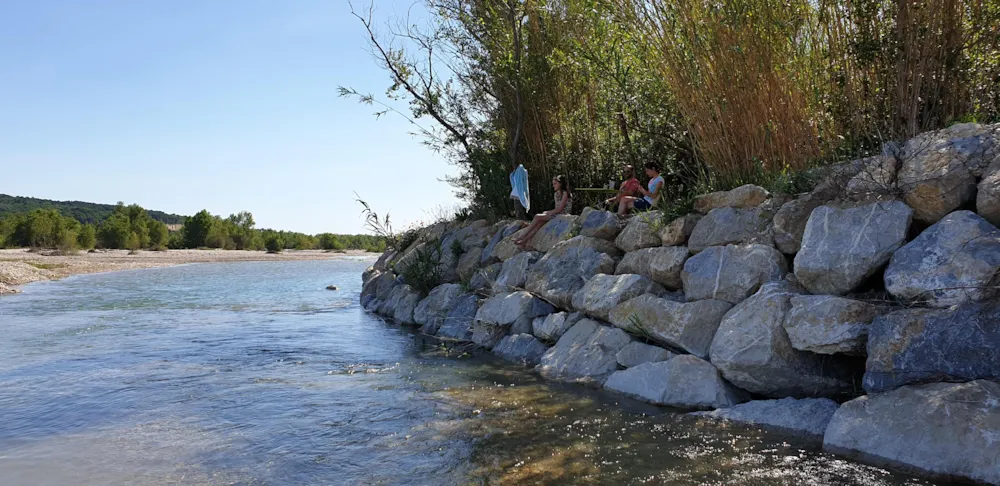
x,y
865,312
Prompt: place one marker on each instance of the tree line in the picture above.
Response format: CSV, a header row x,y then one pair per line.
x,y
719,93
132,228
84,212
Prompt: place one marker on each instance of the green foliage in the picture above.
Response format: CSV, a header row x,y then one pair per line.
x,y
274,243
83,212
423,273
197,228
39,228
87,238
158,235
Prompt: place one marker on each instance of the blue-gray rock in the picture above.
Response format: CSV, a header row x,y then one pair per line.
x,y
753,352
642,231
505,231
586,354
636,353
662,264
827,324
953,261
520,348
565,269
927,345
604,292
458,323
988,192
731,273
843,247
949,430
600,224
807,416
432,311
688,326
468,263
679,230
485,277
382,264
551,327
790,222
514,271
728,226
503,314
684,382
558,229
746,196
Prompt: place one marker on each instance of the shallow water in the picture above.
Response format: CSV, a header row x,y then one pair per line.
x,y
252,373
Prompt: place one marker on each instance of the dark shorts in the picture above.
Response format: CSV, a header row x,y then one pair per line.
x,y
641,205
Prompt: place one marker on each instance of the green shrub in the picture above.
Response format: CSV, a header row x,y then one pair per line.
x,y
424,272
274,244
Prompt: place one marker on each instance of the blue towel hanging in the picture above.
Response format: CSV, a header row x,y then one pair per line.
x,y
519,186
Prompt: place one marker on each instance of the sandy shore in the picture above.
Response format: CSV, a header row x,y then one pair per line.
x,y
19,267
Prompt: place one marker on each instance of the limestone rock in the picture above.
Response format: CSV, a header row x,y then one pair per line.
x,y
600,224
947,429
843,247
636,353
790,222
753,352
432,311
746,196
925,345
520,348
484,277
501,234
677,232
953,261
877,177
514,271
468,263
474,235
731,273
370,284
662,264
404,303
559,229
507,313
566,268
684,381
988,194
506,249
458,323
551,327
382,264
603,292
587,353
727,225
640,232
825,324
688,326
808,416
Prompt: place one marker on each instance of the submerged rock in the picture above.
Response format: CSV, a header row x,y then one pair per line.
x,y
565,269
946,429
551,327
688,326
809,416
520,348
827,324
731,273
661,264
843,247
746,196
603,292
926,345
953,261
752,351
640,232
684,381
587,354
636,353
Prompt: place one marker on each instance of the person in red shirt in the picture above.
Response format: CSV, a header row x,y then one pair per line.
x,y
629,188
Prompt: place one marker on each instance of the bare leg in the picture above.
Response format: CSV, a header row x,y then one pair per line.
x,y
536,224
625,204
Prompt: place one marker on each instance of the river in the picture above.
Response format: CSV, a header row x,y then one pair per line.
x,y
253,373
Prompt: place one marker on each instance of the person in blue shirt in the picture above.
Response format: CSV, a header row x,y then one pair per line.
x,y
563,200
650,195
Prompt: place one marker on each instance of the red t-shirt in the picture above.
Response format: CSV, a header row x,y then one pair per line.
x,y
631,187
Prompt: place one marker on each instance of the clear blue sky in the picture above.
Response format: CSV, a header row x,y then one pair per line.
x,y
225,105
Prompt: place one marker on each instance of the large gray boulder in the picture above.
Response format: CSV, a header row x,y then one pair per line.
x,y
827,324
551,327
790,222
474,235
509,313
808,416
843,247
753,352
727,225
947,429
604,292
939,169
404,302
684,382
521,348
688,326
587,353
731,273
566,268
636,353
640,232
600,224
876,178
953,261
679,230
370,284
432,311
503,233
662,265
559,229
988,194
514,271
484,277
925,345
746,196
506,248
468,263
458,323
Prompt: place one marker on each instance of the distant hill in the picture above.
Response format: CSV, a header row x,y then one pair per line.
x,y
84,212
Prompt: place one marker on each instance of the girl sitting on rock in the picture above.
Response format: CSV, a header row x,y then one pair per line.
x,y
563,199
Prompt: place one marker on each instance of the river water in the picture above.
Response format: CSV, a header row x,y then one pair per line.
x,y
252,373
